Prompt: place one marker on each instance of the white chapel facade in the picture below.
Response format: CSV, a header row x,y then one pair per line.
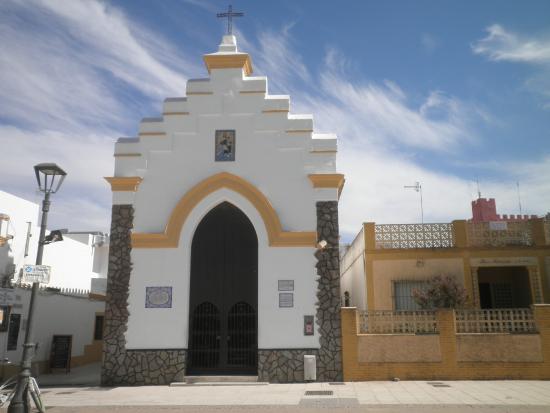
x,y
224,237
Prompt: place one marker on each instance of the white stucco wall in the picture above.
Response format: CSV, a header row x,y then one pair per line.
x,y
167,327
71,261
275,161
20,211
74,261
55,314
352,268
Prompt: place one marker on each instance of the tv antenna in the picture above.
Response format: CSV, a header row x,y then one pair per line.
x,y
418,188
519,198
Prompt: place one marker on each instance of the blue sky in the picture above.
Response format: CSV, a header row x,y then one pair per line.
x,y
439,92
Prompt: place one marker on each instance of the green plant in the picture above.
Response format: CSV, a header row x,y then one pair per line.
x,y
440,292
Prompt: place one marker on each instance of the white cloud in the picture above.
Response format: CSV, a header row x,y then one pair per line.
x,y
429,42
67,83
378,129
68,63
503,45
274,56
68,86
381,114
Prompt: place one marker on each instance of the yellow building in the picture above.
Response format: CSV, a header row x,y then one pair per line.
x,y
501,264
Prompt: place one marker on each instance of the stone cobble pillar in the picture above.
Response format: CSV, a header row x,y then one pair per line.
x,y
121,366
329,363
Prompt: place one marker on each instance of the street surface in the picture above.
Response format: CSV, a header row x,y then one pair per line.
x,y
373,397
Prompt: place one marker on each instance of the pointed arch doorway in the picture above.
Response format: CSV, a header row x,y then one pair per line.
x,y
223,303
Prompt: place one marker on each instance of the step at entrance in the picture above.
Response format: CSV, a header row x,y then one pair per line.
x,y
219,381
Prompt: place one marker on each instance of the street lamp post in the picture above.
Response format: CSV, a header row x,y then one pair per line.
x,y
49,177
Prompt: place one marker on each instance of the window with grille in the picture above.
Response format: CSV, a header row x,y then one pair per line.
x,y
403,298
13,332
502,295
98,329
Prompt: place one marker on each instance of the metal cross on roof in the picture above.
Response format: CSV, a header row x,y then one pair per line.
x,y
229,14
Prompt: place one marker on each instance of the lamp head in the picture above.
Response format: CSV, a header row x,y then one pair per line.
x,y
49,177
54,236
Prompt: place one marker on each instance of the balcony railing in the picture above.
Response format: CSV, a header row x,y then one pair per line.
x,y
413,236
499,234
458,234
398,322
508,320
473,321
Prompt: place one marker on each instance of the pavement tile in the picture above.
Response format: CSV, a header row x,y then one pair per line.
x,y
471,393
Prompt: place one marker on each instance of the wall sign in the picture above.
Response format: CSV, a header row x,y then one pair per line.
x,y
225,145
7,296
158,297
286,300
36,274
503,261
309,329
286,285
498,226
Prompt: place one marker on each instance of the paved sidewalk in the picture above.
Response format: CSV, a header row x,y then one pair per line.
x,y
411,393
88,375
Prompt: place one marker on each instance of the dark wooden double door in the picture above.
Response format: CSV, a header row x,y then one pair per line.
x,y
223,305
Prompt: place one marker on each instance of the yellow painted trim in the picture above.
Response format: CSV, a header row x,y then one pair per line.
x,y
124,183
175,113
328,181
325,151
468,279
275,111
453,252
199,93
277,237
97,297
299,131
229,61
368,234
543,276
252,92
152,134
126,155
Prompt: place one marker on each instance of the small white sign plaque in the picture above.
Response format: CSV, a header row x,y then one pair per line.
x,y
7,296
286,300
498,225
36,273
286,285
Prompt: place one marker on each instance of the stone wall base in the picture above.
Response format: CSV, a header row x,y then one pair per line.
x,y
285,365
162,367
144,367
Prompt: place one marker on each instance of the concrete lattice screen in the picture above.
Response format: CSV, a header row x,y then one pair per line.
x,y
468,345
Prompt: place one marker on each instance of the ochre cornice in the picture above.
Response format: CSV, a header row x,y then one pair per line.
x,y
124,183
229,61
328,181
171,235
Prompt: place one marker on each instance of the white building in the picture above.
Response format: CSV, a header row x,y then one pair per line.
x,y
64,307
79,262
57,314
218,207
